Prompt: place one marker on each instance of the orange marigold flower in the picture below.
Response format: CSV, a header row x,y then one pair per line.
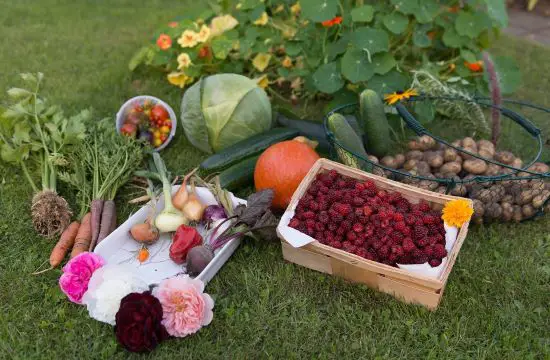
x,y
164,42
457,212
334,21
173,24
475,66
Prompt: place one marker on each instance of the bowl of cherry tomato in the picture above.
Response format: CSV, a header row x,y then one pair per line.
x,y
148,118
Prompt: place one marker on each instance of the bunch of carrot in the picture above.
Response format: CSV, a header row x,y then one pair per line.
x,y
98,168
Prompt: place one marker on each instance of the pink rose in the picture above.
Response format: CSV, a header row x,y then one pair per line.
x,y
77,273
185,307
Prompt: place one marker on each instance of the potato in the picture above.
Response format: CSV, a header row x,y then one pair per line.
x,y
539,200
539,167
423,168
525,197
441,190
414,154
508,198
493,210
528,211
427,142
373,159
399,160
486,154
507,211
433,159
475,166
468,156
468,142
459,159
415,145
517,163
389,161
450,168
410,164
518,214
486,144
470,183
504,157
479,209
459,190
449,155
457,143
492,170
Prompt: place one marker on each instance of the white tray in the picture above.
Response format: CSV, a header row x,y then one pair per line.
x,y
119,247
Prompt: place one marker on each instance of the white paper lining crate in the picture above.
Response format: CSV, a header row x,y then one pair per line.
x,y
403,284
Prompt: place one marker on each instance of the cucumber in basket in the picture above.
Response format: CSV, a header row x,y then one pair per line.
x,y
345,135
246,148
239,175
374,121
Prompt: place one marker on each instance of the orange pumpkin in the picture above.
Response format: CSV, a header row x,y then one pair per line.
x,y
282,167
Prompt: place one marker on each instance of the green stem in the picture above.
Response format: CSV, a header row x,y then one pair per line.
x,y
325,45
28,176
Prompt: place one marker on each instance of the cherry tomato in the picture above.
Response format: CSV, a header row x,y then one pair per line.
x,y
157,142
163,138
165,129
167,122
159,113
128,129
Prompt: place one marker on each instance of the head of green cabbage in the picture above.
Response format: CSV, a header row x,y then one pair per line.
x,y
223,109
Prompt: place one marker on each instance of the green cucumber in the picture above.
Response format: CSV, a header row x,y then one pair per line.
x,y
374,122
347,137
246,148
239,175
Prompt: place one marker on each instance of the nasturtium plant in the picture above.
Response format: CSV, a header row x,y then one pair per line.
x,y
298,49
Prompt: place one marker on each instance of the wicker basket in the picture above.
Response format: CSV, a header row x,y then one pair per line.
x,y
405,285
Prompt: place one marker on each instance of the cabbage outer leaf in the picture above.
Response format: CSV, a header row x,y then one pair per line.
x,y
192,119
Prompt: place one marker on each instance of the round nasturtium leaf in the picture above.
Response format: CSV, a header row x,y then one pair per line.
x,y
327,78
509,75
356,66
406,6
396,22
319,10
383,63
426,12
470,25
371,40
388,83
363,13
452,39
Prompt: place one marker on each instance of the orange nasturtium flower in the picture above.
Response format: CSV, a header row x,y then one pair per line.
x,y
334,21
475,66
173,24
164,42
454,9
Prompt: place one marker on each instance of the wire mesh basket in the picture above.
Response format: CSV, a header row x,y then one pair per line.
x,y
509,176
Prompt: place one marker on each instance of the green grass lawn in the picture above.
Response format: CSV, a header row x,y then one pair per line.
x,y
495,305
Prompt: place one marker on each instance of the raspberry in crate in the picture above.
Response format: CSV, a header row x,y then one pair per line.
x,y
393,237
358,217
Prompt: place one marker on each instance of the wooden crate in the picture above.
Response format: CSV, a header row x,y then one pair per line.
x,y
405,285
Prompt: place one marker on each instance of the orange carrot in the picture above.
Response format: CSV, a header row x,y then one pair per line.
x,y
60,249
65,243
84,236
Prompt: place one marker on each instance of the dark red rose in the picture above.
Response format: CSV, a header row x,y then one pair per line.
x,y
185,238
138,322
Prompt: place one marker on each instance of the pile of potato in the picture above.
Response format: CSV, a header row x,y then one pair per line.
x,y
510,200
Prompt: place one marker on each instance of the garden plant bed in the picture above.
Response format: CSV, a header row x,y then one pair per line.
x,y
403,284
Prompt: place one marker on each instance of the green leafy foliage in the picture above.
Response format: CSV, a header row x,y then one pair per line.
x,y
320,45
33,129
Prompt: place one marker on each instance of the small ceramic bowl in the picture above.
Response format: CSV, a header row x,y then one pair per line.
x,y
125,108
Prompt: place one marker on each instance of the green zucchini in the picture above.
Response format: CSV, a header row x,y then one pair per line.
x,y
246,148
310,129
374,122
347,137
239,175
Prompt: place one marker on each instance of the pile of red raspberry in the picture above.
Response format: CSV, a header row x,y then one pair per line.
x,y
375,224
